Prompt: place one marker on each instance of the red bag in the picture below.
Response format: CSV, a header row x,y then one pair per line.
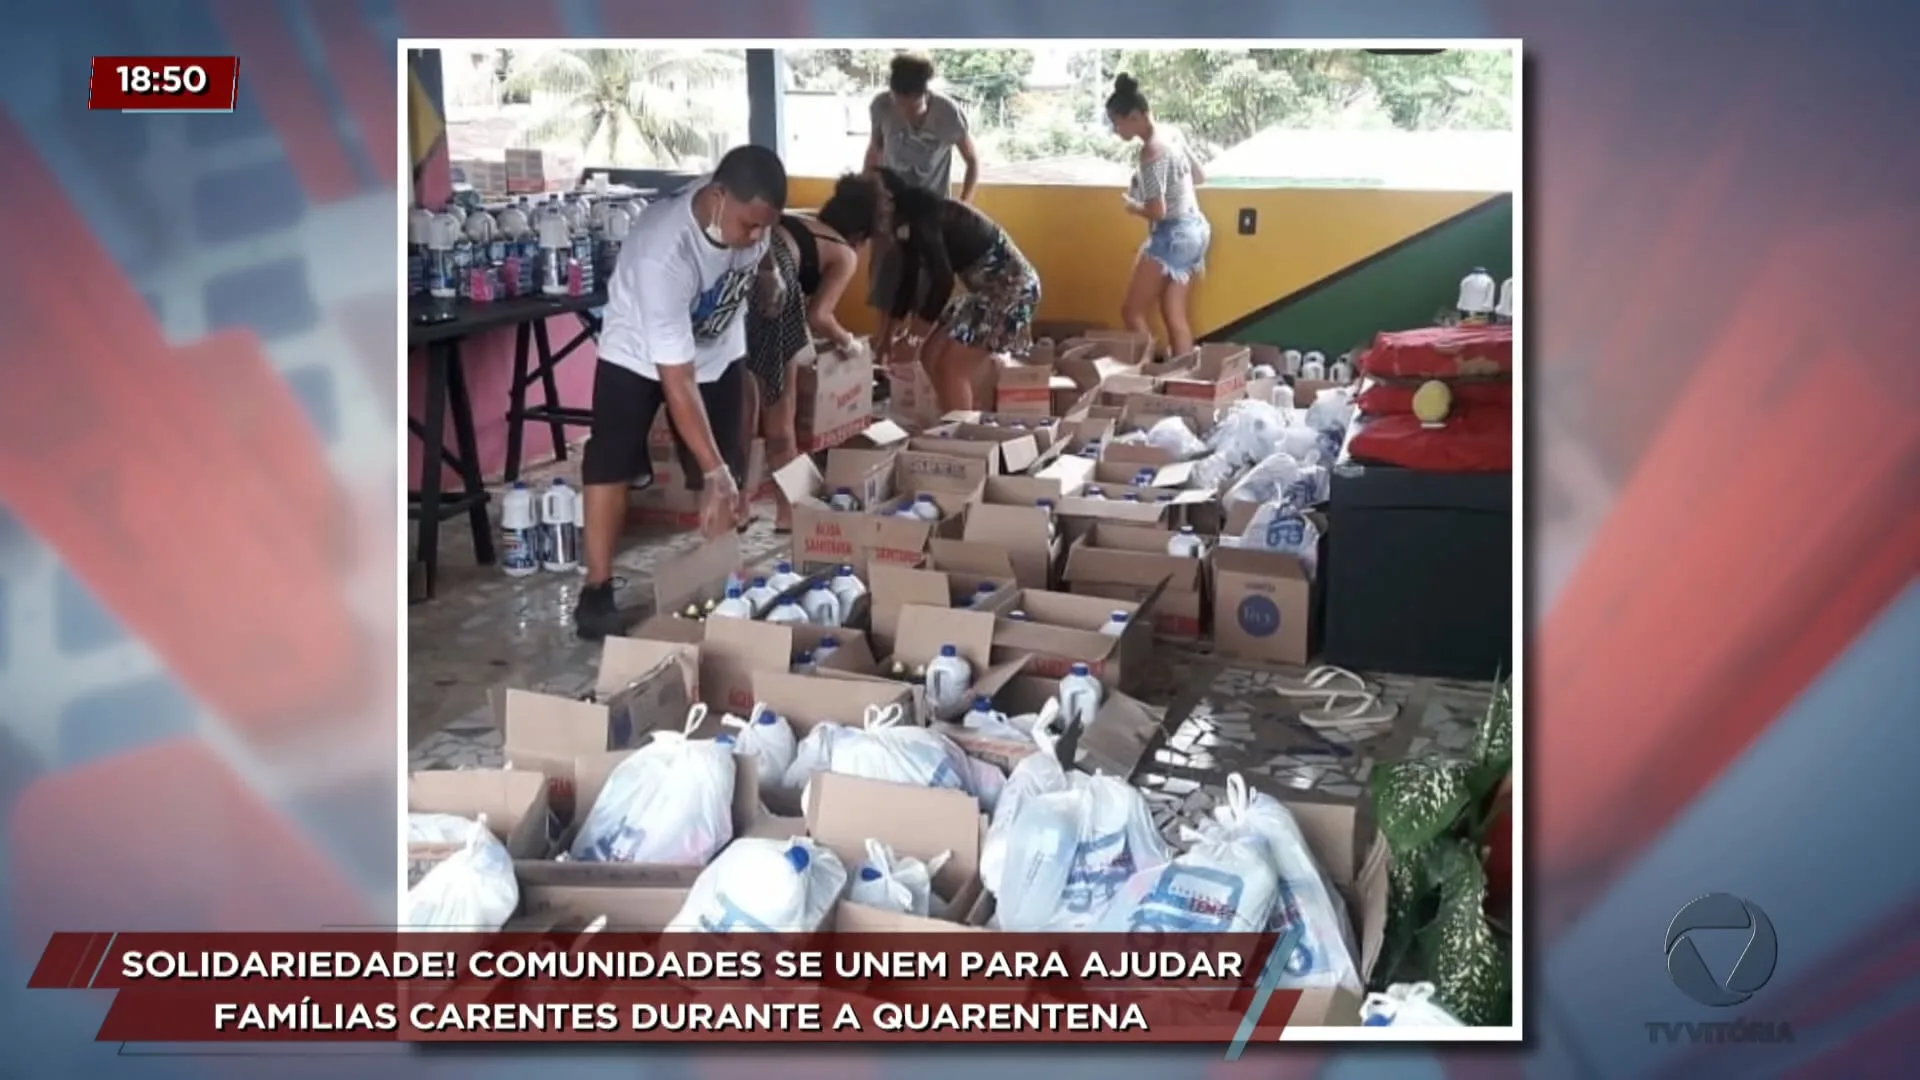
x,y
1441,352
1396,398
1476,440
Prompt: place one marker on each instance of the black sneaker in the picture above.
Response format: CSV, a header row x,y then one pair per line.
x,y
597,615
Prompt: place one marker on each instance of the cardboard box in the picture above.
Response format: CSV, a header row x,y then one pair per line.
x,y
1009,517
1142,411
844,812
1004,449
1306,390
1128,346
1062,629
1263,606
833,397
1213,372
910,397
668,502
514,804
1354,856
1127,562
924,630
642,686
891,588
1122,733
733,652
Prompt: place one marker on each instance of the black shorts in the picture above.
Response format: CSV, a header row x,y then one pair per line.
x,y
625,404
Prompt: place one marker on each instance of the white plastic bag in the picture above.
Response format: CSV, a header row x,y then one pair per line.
x,y
887,748
1277,526
894,882
1266,481
1301,443
769,886
768,739
987,782
1213,470
815,753
1224,883
669,802
1406,1005
1324,956
1248,432
1171,433
438,828
1332,409
471,889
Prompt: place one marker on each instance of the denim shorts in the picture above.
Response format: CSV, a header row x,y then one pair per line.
x,y
1179,245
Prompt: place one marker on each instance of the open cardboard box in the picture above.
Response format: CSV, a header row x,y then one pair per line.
x,y
1061,629
1142,411
1009,517
1044,430
833,397
1005,450
1120,736
513,802
892,588
693,579
734,651
1263,600
1354,855
1214,372
1158,507
807,701
919,636
642,686
1114,471
844,812
1128,562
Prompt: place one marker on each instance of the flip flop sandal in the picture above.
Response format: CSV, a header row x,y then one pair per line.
x,y
1368,712
1328,683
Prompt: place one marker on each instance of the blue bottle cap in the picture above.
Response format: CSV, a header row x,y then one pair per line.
x,y
559,481
982,704
949,650
1130,497
768,716
799,858
733,592
828,641
843,491
1080,669
519,485
759,583
1044,504
783,567
984,588
923,497
868,873
1118,616
804,656
846,568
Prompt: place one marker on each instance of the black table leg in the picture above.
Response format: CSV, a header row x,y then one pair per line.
x,y
432,463
517,401
469,450
551,384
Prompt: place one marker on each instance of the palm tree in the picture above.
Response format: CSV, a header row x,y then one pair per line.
x,y
633,107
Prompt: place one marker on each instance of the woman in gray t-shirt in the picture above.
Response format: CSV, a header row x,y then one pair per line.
x,y
1178,235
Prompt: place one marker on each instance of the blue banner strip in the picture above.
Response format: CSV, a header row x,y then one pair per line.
x,y
1263,990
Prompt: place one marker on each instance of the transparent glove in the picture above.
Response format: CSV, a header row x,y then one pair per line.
x,y
720,503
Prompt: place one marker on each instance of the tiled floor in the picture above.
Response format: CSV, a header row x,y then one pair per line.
x,y
485,630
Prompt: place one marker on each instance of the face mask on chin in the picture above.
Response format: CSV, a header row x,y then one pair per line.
x,y
715,234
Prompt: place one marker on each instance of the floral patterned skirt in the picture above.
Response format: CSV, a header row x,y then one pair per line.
x,y
996,312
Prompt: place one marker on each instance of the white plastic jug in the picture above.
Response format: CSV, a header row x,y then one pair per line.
x,y
849,588
1504,308
735,606
761,595
925,508
804,663
1290,362
1116,624
949,676
821,606
1314,365
827,647
788,613
765,886
843,499
556,246
519,534
991,722
768,739
1145,477
1093,492
1478,293
783,578
560,523
1080,694
1053,527
983,595
1186,543
1341,371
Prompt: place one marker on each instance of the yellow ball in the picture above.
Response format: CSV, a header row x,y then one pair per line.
x,y
1432,401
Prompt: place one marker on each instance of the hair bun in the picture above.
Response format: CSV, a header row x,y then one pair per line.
x,y
1125,83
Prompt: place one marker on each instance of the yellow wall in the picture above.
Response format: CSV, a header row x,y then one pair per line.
x,y
1083,242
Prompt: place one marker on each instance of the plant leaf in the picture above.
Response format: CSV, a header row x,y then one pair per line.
x,y
1493,742
1416,801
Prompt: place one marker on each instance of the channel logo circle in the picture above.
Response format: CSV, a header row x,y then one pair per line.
x,y
1689,970
1258,616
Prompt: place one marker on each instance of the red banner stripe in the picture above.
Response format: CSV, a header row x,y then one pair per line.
x,y
61,961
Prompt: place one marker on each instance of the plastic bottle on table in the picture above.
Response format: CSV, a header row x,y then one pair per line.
x,y
442,283
1290,362
735,606
1341,370
556,250
1080,695
1186,543
560,527
1093,493
519,533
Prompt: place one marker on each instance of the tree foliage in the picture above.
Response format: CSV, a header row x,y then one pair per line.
x,y
635,107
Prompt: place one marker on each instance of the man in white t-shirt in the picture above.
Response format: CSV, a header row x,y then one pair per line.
x,y
673,336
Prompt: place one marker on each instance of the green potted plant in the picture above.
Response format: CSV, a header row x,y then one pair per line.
x,y
1436,816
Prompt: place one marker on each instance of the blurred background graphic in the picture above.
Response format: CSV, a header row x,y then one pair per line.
x,y
197,491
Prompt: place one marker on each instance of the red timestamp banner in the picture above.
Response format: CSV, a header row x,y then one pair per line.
x,y
164,83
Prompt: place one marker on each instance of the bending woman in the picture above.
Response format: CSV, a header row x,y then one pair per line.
x,y
947,241
815,263
1162,191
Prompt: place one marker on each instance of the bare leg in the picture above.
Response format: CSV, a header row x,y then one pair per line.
x,y
783,445
606,510
1173,312
952,370
1143,294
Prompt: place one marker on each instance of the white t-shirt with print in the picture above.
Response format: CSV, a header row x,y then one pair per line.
x,y
676,297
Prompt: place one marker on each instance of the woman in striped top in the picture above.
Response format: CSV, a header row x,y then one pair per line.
x,y
1162,191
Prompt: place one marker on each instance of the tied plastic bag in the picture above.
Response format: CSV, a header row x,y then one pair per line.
x,y
1266,481
471,889
1248,432
815,753
768,886
669,802
1223,883
1213,470
1332,409
1280,527
448,829
1302,444
1406,1005
1324,956
768,739
893,882
886,748
1172,434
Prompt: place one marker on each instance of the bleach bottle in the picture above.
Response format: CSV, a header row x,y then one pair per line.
x,y
849,588
783,577
821,605
1186,543
949,676
519,534
560,527
1080,695
1116,624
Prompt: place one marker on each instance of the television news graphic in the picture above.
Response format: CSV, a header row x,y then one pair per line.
x,y
139,84
560,984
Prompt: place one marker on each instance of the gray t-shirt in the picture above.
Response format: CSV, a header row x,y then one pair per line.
x,y
921,153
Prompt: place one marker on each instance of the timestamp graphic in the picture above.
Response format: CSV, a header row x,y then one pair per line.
x,y
163,84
